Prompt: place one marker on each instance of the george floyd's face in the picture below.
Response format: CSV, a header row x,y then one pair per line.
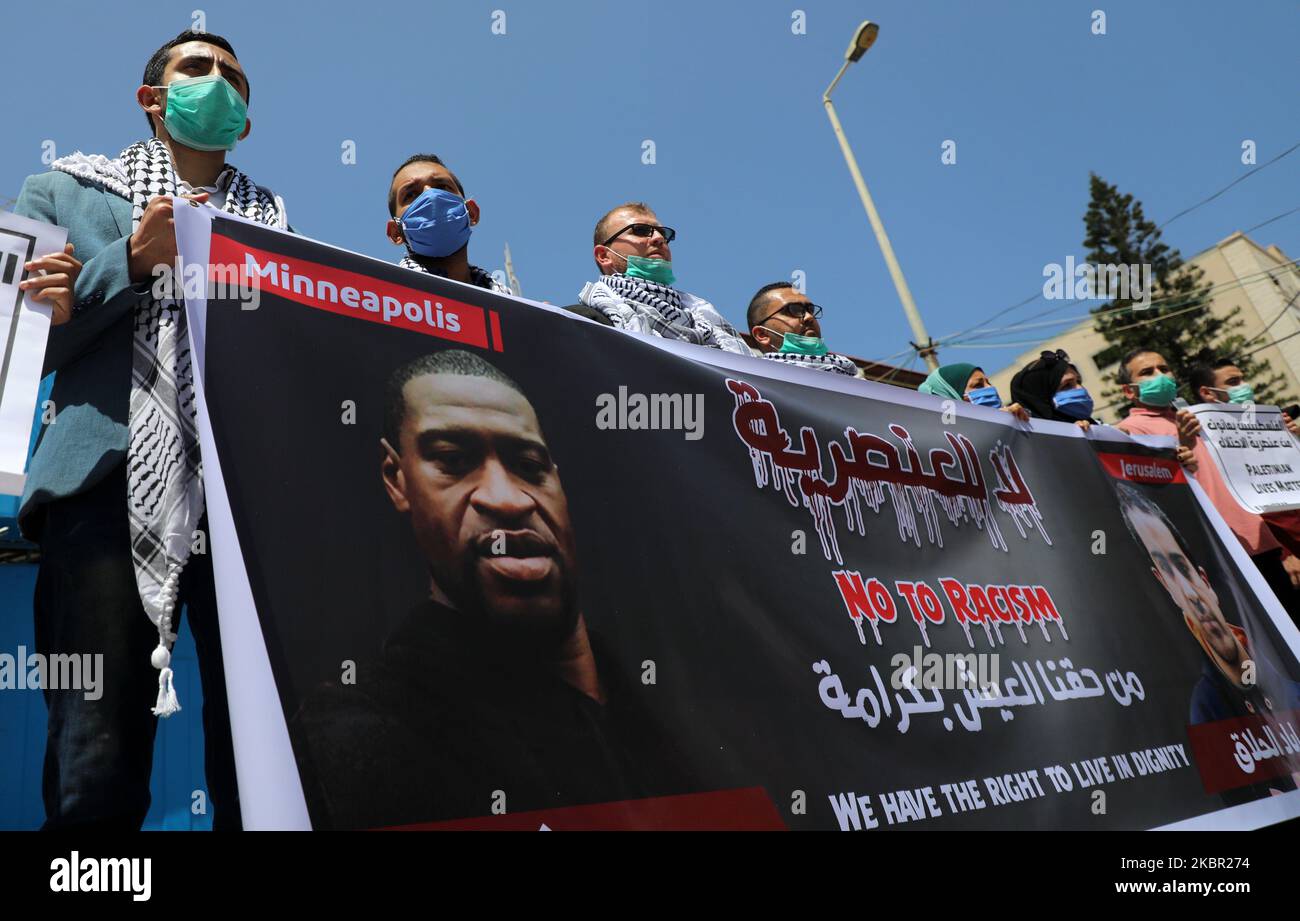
x,y
486,503
1189,587
1145,366
610,258
790,312
413,179
194,59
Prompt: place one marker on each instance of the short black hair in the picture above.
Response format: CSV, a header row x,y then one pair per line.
x,y
1203,374
418,158
752,315
1132,501
1122,376
153,71
452,361
601,234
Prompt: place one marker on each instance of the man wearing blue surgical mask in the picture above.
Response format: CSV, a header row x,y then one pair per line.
x,y
114,491
785,326
431,217
636,291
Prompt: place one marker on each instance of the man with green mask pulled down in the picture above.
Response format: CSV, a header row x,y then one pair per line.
x,y
1147,382
636,290
786,326
1221,381
114,494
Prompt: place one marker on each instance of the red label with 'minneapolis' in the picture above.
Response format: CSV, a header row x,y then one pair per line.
x,y
349,293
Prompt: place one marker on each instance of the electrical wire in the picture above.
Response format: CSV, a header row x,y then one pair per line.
x,y
976,342
1272,219
1182,213
1212,289
907,367
1243,177
1280,315
1269,344
1159,319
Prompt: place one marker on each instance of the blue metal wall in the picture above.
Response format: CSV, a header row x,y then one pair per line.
x,y
178,750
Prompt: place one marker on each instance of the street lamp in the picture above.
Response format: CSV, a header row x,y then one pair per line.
x,y
863,39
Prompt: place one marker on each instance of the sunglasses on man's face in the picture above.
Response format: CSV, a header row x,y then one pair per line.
x,y
796,310
644,230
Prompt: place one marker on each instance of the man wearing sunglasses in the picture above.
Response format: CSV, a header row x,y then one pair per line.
x,y
784,325
636,291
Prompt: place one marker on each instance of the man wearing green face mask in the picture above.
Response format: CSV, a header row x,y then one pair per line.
x,y
1221,381
114,494
636,290
785,326
1148,382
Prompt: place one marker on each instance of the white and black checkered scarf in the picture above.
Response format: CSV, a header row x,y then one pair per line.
x,y
839,364
164,471
477,276
644,306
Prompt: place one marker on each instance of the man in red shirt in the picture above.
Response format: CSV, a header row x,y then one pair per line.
x,y
1149,384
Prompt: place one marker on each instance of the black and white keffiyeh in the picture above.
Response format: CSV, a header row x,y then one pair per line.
x,y
477,276
643,306
164,471
838,364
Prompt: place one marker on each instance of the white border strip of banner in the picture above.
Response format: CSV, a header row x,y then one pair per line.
x,y
269,757
270,789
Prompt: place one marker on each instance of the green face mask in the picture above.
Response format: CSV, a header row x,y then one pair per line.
x,y
1158,391
659,271
1242,393
793,343
205,113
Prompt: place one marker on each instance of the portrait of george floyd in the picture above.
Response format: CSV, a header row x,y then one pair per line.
x,y
493,685
1239,677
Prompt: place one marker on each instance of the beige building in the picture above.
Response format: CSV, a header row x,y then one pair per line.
x,y
1261,281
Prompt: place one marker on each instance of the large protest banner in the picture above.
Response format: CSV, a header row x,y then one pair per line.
x,y
481,563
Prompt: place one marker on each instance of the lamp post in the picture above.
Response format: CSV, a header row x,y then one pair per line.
x,y
863,39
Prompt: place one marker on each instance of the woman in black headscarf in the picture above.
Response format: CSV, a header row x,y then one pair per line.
x,y
1050,388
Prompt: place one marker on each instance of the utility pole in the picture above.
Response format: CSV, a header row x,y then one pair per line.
x,y
863,39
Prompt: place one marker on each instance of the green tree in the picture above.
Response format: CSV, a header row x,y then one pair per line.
x,y
1179,323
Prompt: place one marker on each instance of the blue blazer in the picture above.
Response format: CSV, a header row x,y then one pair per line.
x,y
91,354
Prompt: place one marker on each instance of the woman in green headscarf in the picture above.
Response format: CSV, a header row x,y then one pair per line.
x,y
963,381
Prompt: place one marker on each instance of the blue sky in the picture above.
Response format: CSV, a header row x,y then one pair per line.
x,y
545,125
